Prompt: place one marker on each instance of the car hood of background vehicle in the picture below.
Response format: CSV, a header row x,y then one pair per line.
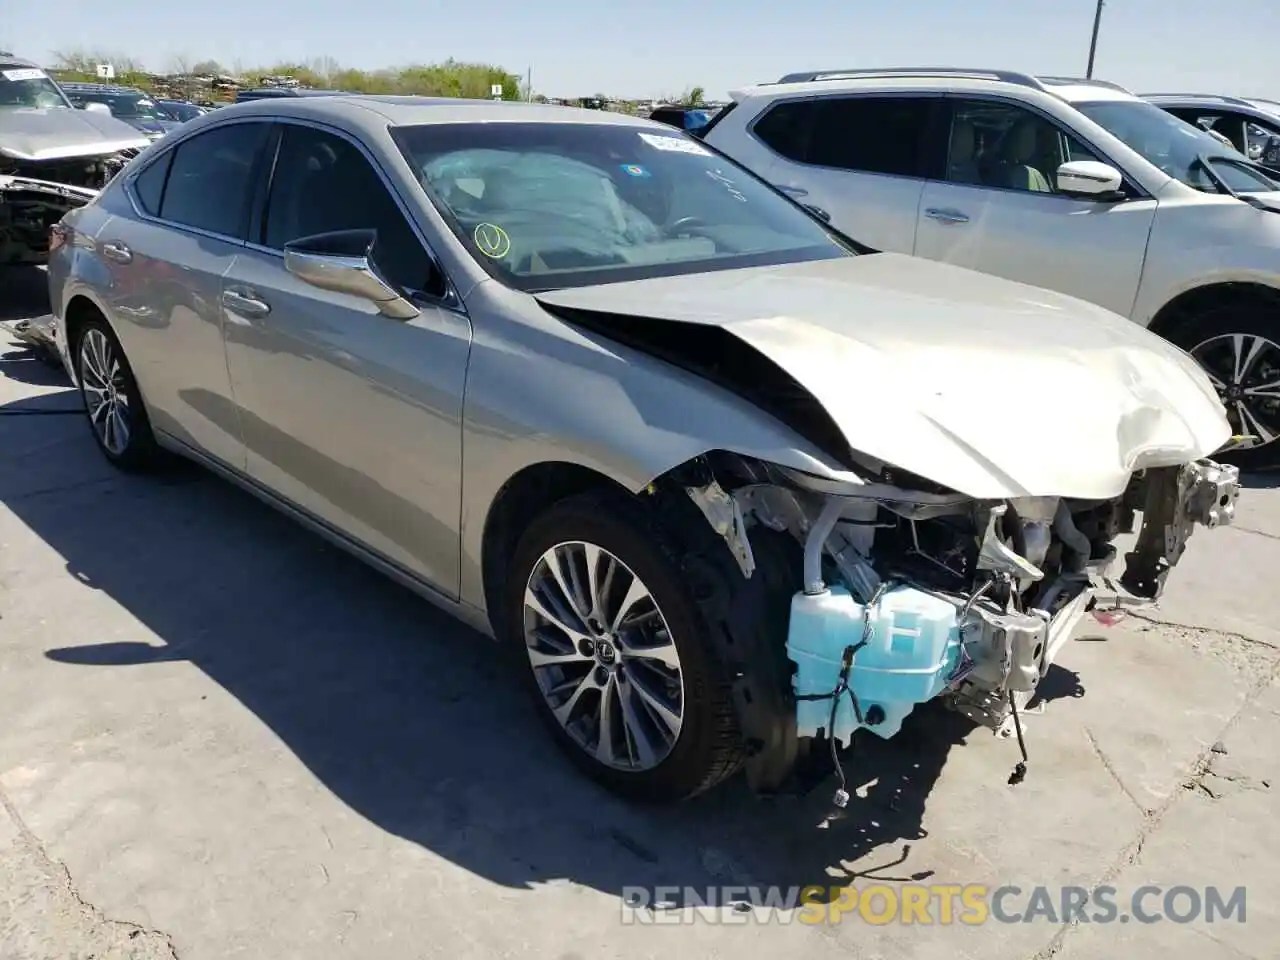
x,y
58,132
992,388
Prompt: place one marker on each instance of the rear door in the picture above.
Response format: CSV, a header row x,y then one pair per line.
x,y
859,158
997,209
166,267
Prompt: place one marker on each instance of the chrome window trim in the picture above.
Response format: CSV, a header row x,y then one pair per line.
x,y
450,301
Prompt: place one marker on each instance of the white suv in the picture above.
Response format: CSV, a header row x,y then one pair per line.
x,y
1073,185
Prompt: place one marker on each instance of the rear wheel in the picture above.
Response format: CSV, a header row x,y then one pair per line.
x,y
111,398
1238,346
618,652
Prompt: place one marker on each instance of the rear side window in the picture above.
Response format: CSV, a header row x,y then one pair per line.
x,y
870,134
784,128
211,178
149,186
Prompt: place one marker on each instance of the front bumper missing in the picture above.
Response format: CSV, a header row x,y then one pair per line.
x,y
28,208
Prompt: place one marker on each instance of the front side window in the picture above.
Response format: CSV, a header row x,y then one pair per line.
x,y
211,178
871,134
322,184
1002,145
545,205
29,87
1182,150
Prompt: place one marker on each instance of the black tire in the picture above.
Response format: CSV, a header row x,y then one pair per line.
x,y
1200,335
709,746
139,453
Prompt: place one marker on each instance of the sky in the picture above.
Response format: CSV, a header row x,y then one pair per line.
x,y
663,47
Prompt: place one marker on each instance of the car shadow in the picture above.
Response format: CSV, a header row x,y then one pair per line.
x,y
422,726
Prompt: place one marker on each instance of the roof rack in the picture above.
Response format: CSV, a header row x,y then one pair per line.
x,y
1085,82
1006,76
1217,98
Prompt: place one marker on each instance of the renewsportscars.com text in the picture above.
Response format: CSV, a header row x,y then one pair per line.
x,y
930,904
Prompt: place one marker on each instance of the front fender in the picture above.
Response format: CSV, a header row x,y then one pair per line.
x,y
613,410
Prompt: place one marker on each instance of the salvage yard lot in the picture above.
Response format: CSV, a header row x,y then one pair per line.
x,y
240,742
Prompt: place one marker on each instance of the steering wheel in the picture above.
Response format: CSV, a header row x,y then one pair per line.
x,y
683,225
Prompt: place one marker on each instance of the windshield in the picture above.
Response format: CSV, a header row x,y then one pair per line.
x,y
29,87
546,205
1175,146
127,106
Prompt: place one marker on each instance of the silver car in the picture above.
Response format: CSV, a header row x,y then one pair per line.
x,y
732,486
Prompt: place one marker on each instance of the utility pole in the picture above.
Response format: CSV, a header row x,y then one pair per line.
x,y
1093,43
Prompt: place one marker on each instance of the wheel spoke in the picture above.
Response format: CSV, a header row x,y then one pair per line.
x,y
592,555
638,742
1244,351
568,591
664,652
564,712
657,708
604,739
557,618
1251,424
1267,391
637,593
540,658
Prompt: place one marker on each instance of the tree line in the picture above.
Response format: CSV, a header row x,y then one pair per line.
x,y
452,78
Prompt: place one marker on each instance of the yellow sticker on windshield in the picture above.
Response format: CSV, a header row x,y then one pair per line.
x,y
492,240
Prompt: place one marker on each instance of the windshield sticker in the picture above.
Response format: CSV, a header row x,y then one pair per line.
x,y
634,170
728,184
25,74
675,144
492,240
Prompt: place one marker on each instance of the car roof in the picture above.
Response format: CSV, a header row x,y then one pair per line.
x,y
362,109
1269,108
111,88
927,79
10,62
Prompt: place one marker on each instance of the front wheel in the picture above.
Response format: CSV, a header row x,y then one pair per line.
x,y
111,399
1238,346
619,656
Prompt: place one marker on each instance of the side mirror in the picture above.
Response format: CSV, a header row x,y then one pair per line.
x,y
93,106
1090,180
340,261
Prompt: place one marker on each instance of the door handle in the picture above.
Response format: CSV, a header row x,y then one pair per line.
x,y
245,302
792,191
946,216
117,251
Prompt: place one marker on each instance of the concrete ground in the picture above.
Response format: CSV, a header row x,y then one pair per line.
x,y
221,738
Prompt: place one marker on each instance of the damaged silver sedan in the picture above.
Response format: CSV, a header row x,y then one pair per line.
x,y
732,486
53,158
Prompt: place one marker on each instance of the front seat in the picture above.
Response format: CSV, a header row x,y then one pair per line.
x,y
1016,166
962,165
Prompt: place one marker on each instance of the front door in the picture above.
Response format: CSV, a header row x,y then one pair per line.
x,y
351,415
998,209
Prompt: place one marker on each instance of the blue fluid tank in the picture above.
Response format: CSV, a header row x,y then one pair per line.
x,y
913,647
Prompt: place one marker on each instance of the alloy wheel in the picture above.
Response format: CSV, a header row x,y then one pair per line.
x,y
1245,370
106,397
603,656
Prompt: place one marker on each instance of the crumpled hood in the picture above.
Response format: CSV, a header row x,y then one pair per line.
x,y
992,388
58,132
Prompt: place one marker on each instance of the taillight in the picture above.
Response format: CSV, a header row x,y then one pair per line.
x,y
58,236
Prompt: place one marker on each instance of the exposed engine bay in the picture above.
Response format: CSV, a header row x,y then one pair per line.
x,y
912,592
34,195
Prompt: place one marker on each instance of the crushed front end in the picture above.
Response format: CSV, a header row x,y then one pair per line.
x,y
912,592
36,194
